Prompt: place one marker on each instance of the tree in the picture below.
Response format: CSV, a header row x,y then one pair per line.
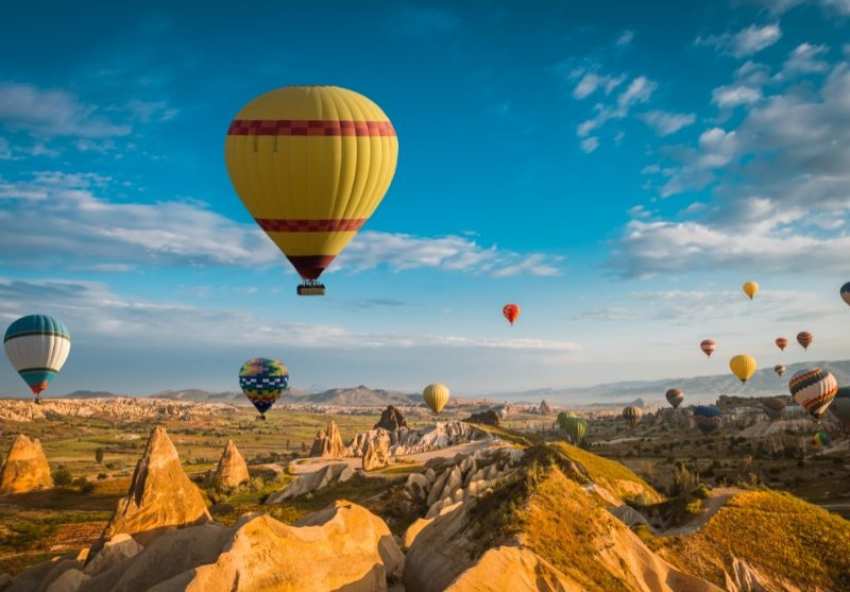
x,y
98,455
62,476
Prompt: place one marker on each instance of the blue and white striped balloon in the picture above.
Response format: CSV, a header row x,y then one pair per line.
x,y
37,346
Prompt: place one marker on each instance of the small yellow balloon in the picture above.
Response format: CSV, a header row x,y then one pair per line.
x,y
750,289
743,366
436,396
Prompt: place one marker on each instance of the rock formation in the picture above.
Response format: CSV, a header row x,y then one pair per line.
x,y
26,467
310,482
343,547
391,419
406,441
377,453
328,442
160,493
544,408
232,470
488,417
118,409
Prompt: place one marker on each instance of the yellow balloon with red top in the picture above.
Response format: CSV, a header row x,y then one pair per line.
x,y
311,164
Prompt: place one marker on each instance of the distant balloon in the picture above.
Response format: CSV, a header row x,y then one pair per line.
x,y
750,289
37,346
632,415
262,380
708,346
511,312
574,427
675,397
821,439
781,343
707,418
743,366
780,370
774,407
840,407
805,339
436,396
813,389
845,292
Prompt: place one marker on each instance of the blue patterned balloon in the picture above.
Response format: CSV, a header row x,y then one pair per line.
x,y
262,380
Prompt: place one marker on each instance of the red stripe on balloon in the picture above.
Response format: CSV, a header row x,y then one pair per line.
x,y
288,225
309,127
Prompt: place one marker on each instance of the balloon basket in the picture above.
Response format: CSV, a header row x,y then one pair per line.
x,y
311,288
261,418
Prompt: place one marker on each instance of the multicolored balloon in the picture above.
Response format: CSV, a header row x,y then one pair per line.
x,y
675,397
805,339
780,370
708,346
574,427
813,389
436,396
37,346
774,407
840,407
743,366
781,343
263,380
511,312
750,289
845,292
311,164
821,439
632,415
707,417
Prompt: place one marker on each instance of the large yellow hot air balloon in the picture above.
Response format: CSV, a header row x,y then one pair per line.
x,y
750,289
311,164
743,366
436,396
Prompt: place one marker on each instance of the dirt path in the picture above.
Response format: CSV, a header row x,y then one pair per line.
x,y
712,505
309,465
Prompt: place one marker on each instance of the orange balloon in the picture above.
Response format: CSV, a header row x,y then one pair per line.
x,y
511,312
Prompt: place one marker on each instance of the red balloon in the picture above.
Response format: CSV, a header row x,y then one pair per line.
x,y
708,346
511,312
781,342
804,338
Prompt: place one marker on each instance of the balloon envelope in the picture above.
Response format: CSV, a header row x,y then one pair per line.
x,y
743,366
632,415
311,164
262,381
781,343
511,312
845,292
779,369
750,289
436,396
37,346
707,418
675,397
805,339
572,426
813,389
708,346
821,439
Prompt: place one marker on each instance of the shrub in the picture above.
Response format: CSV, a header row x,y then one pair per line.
x,y
102,476
62,476
98,455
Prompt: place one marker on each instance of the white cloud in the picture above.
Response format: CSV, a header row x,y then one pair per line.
x,y
804,59
778,7
590,82
639,90
51,113
745,42
590,144
625,38
717,148
77,226
666,123
149,111
727,97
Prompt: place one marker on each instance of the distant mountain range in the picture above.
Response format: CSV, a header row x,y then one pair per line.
x,y
699,388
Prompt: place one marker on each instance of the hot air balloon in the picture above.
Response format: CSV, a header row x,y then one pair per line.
x,y
675,397
750,289
707,418
780,370
632,415
262,380
845,292
37,346
804,338
574,427
821,439
311,164
511,312
743,366
774,407
840,407
436,396
781,343
813,389
708,346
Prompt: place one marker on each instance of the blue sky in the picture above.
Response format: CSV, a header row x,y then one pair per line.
x,y
617,170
